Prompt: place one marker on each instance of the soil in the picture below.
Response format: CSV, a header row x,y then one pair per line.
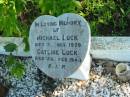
x,y
3,90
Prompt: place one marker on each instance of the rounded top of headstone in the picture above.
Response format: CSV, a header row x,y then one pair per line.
x,y
59,45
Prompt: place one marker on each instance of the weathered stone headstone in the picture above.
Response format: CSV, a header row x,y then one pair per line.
x,y
59,45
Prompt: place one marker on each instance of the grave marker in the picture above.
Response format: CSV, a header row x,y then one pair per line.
x,y
60,45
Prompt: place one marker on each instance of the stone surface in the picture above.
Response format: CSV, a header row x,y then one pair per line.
x,y
60,45
110,43
83,71
123,71
120,54
111,48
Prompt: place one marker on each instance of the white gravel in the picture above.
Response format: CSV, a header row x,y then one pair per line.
x,y
102,83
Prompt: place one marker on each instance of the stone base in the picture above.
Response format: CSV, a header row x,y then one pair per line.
x,y
83,72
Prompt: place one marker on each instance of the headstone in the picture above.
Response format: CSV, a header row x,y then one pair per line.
x,y
60,45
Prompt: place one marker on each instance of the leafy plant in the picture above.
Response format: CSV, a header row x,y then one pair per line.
x,y
10,47
10,24
57,7
9,10
98,12
15,67
106,17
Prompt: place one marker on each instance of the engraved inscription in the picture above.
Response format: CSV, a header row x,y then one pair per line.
x,y
59,45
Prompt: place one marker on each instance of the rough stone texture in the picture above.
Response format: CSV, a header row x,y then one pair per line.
x,y
111,43
111,48
60,45
123,71
102,83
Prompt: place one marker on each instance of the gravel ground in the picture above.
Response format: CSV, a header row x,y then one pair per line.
x,y
102,83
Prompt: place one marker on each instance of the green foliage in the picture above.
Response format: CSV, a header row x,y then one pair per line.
x,y
121,17
15,67
18,69
98,12
58,7
9,10
25,40
10,47
16,17
107,17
